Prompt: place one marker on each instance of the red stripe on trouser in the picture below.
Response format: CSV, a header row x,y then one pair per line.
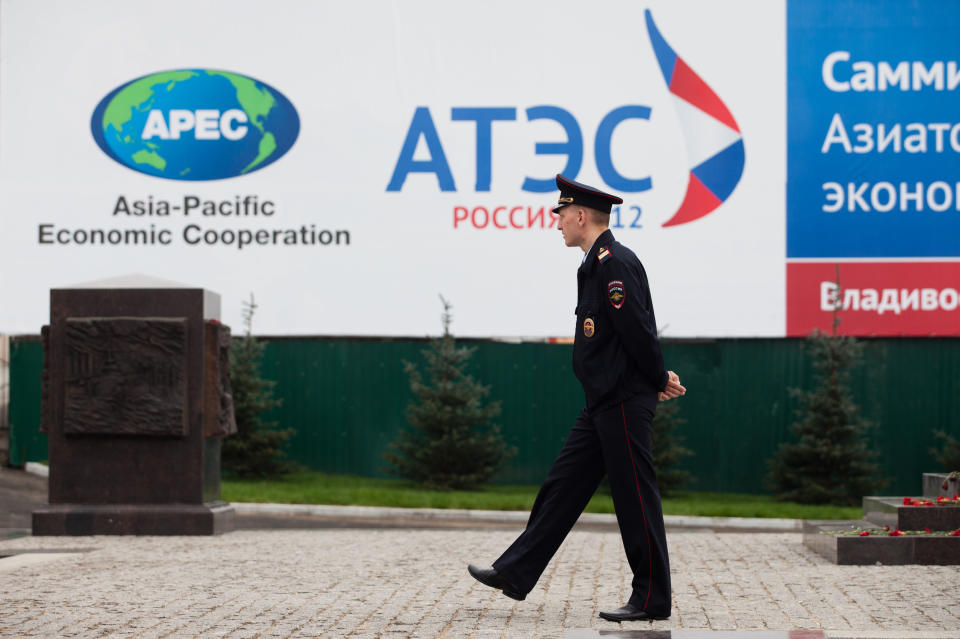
x,y
637,479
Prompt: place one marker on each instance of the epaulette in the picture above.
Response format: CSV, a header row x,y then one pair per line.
x,y
603,254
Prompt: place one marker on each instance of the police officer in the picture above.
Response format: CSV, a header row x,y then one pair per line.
x,y
617,358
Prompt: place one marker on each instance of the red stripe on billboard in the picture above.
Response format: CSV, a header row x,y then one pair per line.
x,y
874,298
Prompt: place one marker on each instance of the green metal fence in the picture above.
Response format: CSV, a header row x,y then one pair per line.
x,y
26,363
346,399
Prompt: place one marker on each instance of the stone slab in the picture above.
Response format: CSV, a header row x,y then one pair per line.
x,y
890,511
889,551
694,634
933,485
27,559
823,544
134,519
761,634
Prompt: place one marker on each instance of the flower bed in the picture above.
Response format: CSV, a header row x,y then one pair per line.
x,y
885,531
940,501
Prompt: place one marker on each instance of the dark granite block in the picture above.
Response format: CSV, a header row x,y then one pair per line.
x,y
862,551
939,485
135,395
211,470
937,551
129,519
824,545
890,511
891,551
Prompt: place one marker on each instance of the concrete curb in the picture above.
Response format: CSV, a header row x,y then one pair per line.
x,y
36,469
440,516
752,524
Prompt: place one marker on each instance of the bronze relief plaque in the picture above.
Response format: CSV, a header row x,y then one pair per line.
x,y
125,376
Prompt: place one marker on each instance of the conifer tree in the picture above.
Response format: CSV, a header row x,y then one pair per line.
x,y
450,443
257,448
947,451
668,449
832,461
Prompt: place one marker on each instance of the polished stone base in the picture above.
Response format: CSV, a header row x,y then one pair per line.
x,y
890,511
694,634
134,519
933,485
889,551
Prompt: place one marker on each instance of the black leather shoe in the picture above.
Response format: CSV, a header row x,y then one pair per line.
x,y
490,577
631,613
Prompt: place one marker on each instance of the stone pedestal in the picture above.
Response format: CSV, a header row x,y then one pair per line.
x,y
135,399
890,511
883,549
940,485
935,548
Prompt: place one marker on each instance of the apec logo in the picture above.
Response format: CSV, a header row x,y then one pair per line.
x,y
713,139
714,142
195,124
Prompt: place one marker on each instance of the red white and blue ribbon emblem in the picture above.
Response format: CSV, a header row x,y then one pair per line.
x,y
713,139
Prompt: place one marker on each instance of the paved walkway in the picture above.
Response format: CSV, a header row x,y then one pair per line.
x,y
341,582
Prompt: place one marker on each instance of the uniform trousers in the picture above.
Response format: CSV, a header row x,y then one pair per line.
x,y
615,441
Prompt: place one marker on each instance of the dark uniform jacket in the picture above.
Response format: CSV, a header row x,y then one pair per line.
x,y
616,352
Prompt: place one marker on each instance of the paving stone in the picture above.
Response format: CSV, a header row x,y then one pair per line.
x,y
413,583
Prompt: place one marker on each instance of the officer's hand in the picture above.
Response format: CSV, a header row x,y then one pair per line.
x,y
673,388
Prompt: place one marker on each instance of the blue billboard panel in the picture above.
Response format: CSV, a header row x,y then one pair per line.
x,y
873,129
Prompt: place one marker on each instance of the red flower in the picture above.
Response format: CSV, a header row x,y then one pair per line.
x,y
909,502
865,533
926,530
955,533
895,533
886,527
956,497
941,499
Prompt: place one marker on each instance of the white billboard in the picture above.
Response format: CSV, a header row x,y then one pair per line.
x,y
348,162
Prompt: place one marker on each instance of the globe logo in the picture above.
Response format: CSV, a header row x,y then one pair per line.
x,y
195,124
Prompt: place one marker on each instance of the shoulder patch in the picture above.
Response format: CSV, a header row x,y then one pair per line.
x,y
603,254
616,293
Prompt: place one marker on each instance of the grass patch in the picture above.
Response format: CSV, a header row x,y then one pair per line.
x,y
319,488
741,505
